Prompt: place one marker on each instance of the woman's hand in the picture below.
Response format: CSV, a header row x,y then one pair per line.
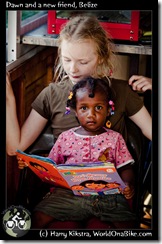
x,y
21,163
140,83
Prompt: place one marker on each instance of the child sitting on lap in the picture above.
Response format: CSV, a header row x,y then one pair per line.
x,y
90,142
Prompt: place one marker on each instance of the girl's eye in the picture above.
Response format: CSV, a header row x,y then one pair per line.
x,y
98,107
83,108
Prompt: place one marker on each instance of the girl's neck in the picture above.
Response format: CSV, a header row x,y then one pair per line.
x,y
82,131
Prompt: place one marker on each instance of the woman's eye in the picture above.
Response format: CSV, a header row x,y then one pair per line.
x,y
84,62
66,60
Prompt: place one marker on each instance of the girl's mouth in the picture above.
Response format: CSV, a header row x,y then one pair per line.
x,y
91,122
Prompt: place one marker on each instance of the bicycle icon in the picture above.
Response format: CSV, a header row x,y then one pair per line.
x,y
16,221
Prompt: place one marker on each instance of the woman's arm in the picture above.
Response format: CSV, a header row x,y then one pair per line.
x,y
144,121
17,138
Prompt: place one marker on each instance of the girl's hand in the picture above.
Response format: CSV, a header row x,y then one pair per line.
x,y
129,192
21,163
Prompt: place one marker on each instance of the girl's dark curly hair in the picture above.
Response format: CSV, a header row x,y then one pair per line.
x,y
93,85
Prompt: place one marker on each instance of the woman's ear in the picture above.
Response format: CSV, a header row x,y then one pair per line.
x,y
100,61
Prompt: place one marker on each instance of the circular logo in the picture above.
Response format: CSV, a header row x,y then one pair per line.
x,y
16,221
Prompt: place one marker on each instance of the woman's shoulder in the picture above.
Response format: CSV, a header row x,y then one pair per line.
x,y
119,83
56,89
60,85
122,91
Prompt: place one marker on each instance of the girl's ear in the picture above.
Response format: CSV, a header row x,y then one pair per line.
x,y
108,112
75,113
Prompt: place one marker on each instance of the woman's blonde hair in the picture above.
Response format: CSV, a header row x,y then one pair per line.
x,y
87,27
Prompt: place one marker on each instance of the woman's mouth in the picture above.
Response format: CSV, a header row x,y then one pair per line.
x,y
75,77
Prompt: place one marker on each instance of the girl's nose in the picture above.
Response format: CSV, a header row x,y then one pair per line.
x,y
91,113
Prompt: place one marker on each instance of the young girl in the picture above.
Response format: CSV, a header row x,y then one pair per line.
x,y
84,50
91,101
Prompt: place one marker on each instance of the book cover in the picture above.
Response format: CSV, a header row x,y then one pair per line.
x,y
84,179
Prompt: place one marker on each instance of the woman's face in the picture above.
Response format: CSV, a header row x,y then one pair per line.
x,y
79,59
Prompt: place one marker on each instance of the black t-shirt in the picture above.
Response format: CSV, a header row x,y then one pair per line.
x,y
51,104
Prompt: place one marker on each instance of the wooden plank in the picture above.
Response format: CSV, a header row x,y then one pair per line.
x,y
35,73
120,48
40,40
134,49
26,63
20,60
40,37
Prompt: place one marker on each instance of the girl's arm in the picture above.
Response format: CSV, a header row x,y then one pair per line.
x,y
127,175
17,138
144,121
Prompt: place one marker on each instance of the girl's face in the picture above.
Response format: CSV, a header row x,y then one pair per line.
x,y
91,112
79,59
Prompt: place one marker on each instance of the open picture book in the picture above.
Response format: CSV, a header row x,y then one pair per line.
x,y
84,179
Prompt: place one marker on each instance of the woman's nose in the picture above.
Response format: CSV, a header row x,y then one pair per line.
x,y
73,67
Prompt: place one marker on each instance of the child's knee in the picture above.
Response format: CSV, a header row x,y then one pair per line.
x,y
40,219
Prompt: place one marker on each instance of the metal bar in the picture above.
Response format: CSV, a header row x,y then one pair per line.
x,y
12,36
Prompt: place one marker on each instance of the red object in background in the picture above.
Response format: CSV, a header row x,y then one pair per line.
x,y
119,31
